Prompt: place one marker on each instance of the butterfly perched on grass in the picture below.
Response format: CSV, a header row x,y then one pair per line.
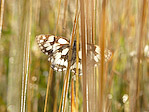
x,y
57,50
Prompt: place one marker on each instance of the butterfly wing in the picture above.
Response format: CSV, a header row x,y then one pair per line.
x,y
93,56
56,48
94,52
59,60
74,64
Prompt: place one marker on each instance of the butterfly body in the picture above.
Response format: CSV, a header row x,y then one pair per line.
x,y
57,49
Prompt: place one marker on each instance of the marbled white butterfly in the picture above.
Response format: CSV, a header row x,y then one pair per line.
x,y
57,48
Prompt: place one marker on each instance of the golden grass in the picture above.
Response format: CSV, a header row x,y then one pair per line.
x,y
26,57
140,54
57,89
59,6
48,87
73,107
64,17
120,26
77,69
51,70
102,46
1,16
93,21
83,40
69,61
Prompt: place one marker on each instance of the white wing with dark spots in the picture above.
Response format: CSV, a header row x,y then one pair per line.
x,y
57,49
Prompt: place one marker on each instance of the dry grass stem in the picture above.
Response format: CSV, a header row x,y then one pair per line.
x,y
1,16
77,70
55,102
73,107
26,54
66,82
102,46
59,6
48,87
83,43
139,56
110,56
64,17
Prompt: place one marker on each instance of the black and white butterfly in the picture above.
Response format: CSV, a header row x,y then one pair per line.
x,y
57,50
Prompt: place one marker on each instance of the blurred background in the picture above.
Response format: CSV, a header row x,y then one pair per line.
x,y
24,69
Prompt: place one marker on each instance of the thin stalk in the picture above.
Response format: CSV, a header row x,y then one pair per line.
x,y
69,62
93,21
61,98
28,54
59,5
90,73
1,16
101,41
64,18
66,85
87,21
73,108
95,17
55,100
77,61
55,34
96,71
77,70
22,92
26,57
88,38
48,87
83,40
97,87
26,76
23,74
142,21
29,91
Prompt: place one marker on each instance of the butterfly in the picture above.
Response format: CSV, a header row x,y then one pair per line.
x,y
57,50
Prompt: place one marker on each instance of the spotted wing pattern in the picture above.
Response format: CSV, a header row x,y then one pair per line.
x,y
94,51
57,49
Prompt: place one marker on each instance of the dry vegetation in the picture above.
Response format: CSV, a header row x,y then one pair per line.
x,y
28,84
